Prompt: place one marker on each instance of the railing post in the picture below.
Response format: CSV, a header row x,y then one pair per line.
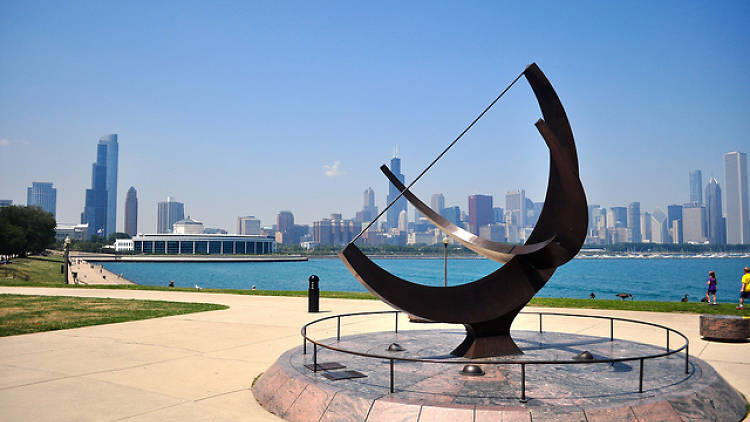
x,y
392,388
611,329
540,322
397,322
640,378
687,359
667,340
304,340
338,328
315,357
523,383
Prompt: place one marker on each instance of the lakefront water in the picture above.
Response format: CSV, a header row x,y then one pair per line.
x,y
645,279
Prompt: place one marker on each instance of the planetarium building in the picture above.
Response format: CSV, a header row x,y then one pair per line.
x,y
203,244
187,238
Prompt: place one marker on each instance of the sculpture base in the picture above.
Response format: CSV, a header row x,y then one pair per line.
x,y
484,347
439,392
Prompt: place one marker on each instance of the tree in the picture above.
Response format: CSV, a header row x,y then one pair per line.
x,y
25,230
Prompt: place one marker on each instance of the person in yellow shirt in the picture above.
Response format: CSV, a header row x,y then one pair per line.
x,y
745,289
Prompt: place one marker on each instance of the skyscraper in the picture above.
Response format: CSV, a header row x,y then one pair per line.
x,y
735,184
400,205
437,202
248,225
403,221
42,195
617,217
452,214
480,212
696,188
646,227
284,221
634,220
368,198
111,181
593,214
131,212
694,224
659,227
674,213
368,205
95,209
515,204
717,234
169,212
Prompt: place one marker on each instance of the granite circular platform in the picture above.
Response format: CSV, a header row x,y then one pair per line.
x,y
438,392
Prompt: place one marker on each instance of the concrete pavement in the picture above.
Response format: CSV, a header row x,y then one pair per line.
x,y
201,366
88,273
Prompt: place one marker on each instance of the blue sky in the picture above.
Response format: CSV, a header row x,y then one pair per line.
x,y
243,108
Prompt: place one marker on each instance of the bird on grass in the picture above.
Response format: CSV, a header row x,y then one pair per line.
x,y
684,299
197,287
592,295
624,295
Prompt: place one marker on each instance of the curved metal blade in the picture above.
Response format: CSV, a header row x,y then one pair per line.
x,y
496,251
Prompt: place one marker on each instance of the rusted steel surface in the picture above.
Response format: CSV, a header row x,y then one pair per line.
x,y
487,307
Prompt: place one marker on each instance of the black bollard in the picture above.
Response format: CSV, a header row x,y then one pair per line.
x,y
313,294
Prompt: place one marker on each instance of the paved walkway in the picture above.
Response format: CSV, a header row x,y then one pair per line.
x,y
91,273
200,366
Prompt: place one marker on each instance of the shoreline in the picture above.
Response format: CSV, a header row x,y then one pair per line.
x,y
81,271
583,255
188,258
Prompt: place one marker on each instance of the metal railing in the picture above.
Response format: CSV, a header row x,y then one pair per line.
x,y
521,362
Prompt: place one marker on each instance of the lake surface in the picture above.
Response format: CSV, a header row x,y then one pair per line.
x,y
645,279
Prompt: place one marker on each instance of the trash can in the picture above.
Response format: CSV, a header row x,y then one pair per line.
x,y
313,294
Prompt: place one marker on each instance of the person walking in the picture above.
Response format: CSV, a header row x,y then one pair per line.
x,y
711,287
745,288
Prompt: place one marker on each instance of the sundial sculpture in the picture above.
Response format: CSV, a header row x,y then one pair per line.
x,y
488,306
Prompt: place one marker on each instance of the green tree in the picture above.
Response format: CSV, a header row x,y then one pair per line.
x,y
25,230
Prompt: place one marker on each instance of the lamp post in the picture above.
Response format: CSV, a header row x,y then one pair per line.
x,y
445,261
66,255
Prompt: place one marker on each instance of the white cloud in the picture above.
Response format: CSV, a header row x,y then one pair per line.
x,y
333,170
7,142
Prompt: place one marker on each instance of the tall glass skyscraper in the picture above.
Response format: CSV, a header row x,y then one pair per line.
x,y
169,212
634,221
735,179
480,212
95,210
42,195
131,212
696,188
515,204
111,181
717,234
400,205
437,202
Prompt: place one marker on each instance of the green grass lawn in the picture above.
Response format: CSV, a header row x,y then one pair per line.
x,y
22,314
34,271
635,305
45,272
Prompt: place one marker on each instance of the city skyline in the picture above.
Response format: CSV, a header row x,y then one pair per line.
x,y
204,112
516,204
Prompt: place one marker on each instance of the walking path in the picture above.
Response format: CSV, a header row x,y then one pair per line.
x,y
201,366
84,272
